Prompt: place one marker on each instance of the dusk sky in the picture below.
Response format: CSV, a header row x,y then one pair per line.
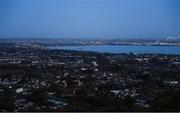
x,y
89,18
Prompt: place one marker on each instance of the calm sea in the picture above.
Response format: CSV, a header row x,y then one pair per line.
x,y
175,50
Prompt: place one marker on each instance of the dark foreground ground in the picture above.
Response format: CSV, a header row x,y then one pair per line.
x,y
38,79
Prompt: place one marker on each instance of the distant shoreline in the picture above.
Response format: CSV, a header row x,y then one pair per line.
x,y
84,42
104,45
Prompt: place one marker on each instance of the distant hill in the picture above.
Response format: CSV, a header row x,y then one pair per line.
x,y
173,38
